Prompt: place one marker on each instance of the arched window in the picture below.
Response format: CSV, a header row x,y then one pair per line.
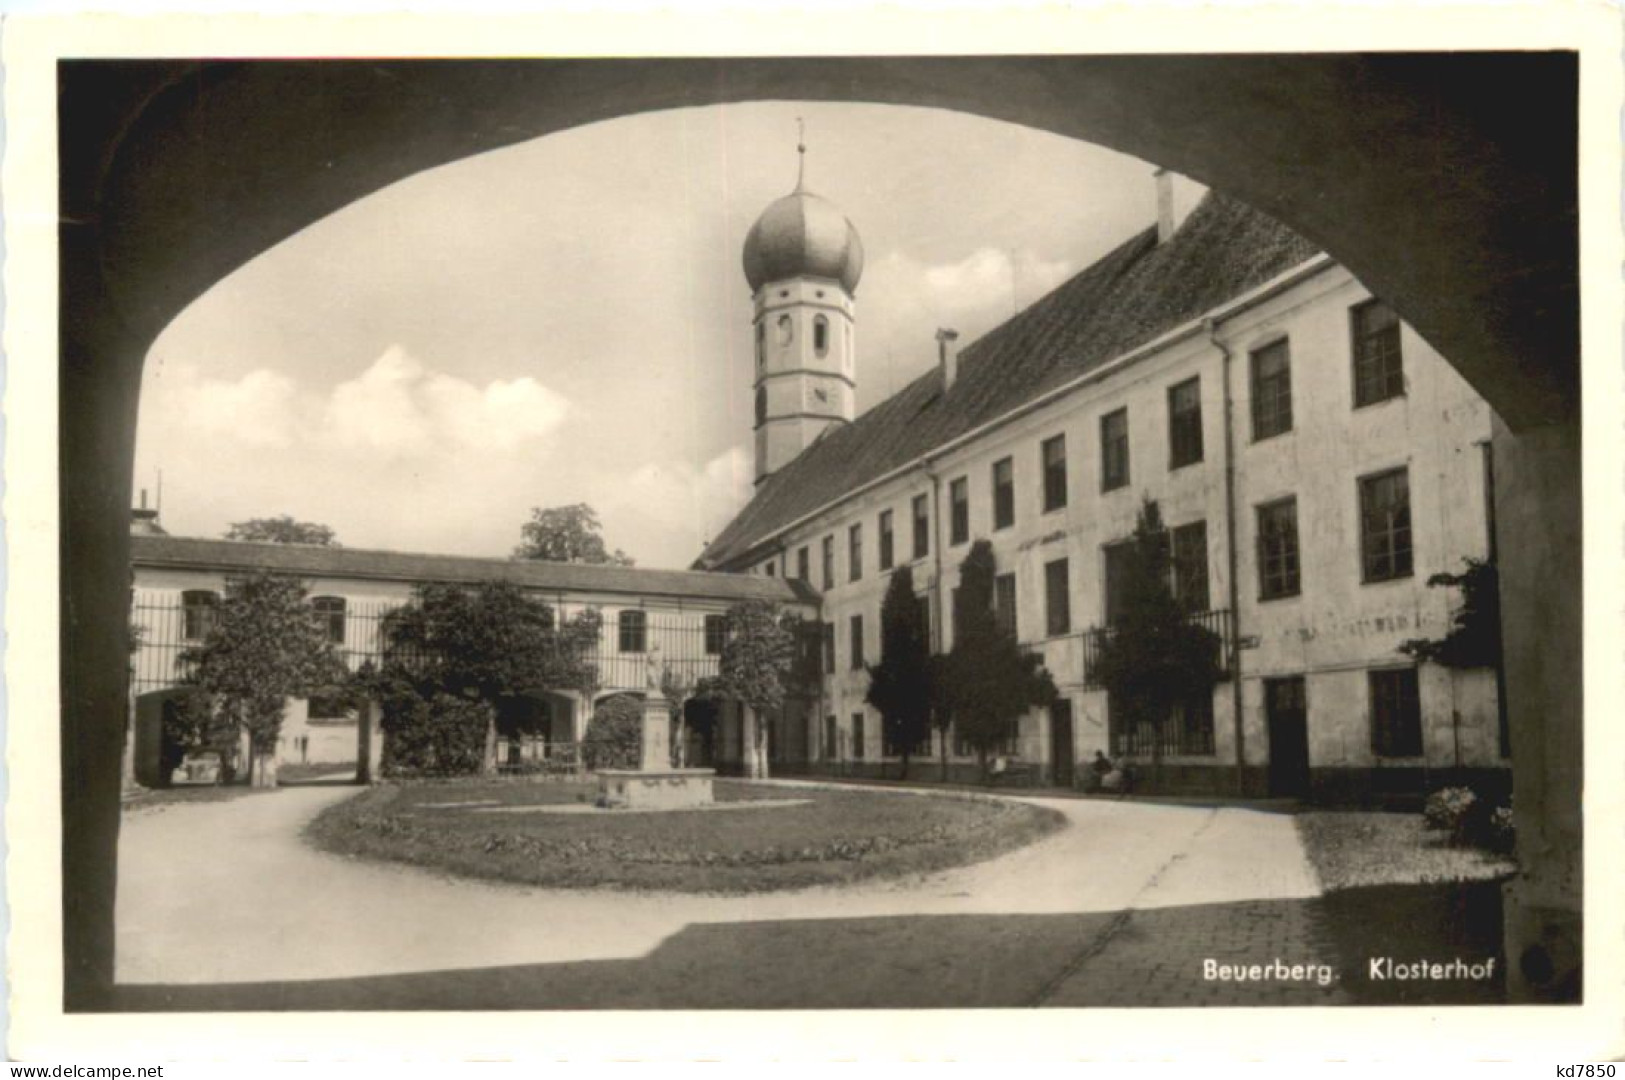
x,y
820,335
330,612
761,345
761,405
786,330
633,632
198,609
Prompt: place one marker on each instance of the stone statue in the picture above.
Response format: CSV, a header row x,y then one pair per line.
x,y
654,670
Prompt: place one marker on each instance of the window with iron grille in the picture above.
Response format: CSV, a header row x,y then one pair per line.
x,y
1004,603
922,526
633,632
716,634
1189,565
1379,366
1272,390
802,570
857,642
959,511
1004,493
1187,730
1278,549
829,562
1185,423
1396,713
854,553
885,540
857,736
1114,450
1057,598
829,647
1385,525
198,611
1052,453
330,613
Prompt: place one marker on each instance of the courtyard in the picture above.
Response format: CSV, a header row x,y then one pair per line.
x,y
229,905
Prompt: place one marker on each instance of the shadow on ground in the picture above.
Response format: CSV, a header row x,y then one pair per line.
x,y
1127,958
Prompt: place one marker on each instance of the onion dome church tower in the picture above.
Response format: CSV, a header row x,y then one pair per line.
x,y
803,260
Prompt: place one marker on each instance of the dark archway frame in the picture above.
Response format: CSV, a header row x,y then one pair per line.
x,y
1446,182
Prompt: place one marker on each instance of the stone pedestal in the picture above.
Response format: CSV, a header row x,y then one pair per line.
x,y
654,785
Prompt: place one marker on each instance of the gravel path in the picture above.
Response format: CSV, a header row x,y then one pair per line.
x,y
228,893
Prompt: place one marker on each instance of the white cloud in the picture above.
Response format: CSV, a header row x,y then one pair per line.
x,y
257,410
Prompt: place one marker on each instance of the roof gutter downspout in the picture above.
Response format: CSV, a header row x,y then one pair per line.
x,y
1211,326
929,468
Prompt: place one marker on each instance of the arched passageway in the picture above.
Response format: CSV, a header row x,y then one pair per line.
x,y
1445,182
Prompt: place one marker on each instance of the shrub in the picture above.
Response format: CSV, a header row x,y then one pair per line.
x,y
438,735
1468,820
1447,808
1501,834
614,734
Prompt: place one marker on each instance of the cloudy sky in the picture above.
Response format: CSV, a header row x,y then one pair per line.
x,y
566,321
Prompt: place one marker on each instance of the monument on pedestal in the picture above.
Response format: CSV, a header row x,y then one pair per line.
x,y
654,784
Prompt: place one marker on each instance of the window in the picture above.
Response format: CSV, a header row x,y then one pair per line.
x,y
1114,450
922,527
1396,713
829,562
633,631
802,570
857,736
1189,565
820,335
857,642
1188,730
1004,603
885,540
829,647
831,750
716,634
854,552
1278,549
1272,390
761,346
761,405
769,570
1379,367
1057,598
198,610
958,511
330,613
1185,423
1119,558
786,330
1004,494
1053,454
1385,525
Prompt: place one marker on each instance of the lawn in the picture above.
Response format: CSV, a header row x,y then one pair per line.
x,y
814,837
1351,849
158,798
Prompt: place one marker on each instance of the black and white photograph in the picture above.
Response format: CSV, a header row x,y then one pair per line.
x,y
893,531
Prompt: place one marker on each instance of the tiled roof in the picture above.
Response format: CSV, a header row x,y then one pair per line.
x,y
195,553
1131,296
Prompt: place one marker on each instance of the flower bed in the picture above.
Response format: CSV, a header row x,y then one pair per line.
x,y
831,837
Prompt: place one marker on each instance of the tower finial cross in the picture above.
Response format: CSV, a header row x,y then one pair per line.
x,y
801,152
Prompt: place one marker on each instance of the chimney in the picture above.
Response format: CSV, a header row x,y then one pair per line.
x,y
948,356
1177,196
144,522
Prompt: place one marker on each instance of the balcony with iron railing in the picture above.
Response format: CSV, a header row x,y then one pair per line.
x,y
1220,622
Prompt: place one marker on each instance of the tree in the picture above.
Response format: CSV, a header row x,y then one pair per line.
x,y
1474,638
900,685
990,680
754,668
266,646
614,734
1153,657
282,530
567,534
491,642
678,687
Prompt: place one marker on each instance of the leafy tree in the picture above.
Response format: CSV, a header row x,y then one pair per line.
x,y
266,646
755,666
567,534
491,642
1474,638
900,685
1153,657
282,530
678,687
990,679
615,734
